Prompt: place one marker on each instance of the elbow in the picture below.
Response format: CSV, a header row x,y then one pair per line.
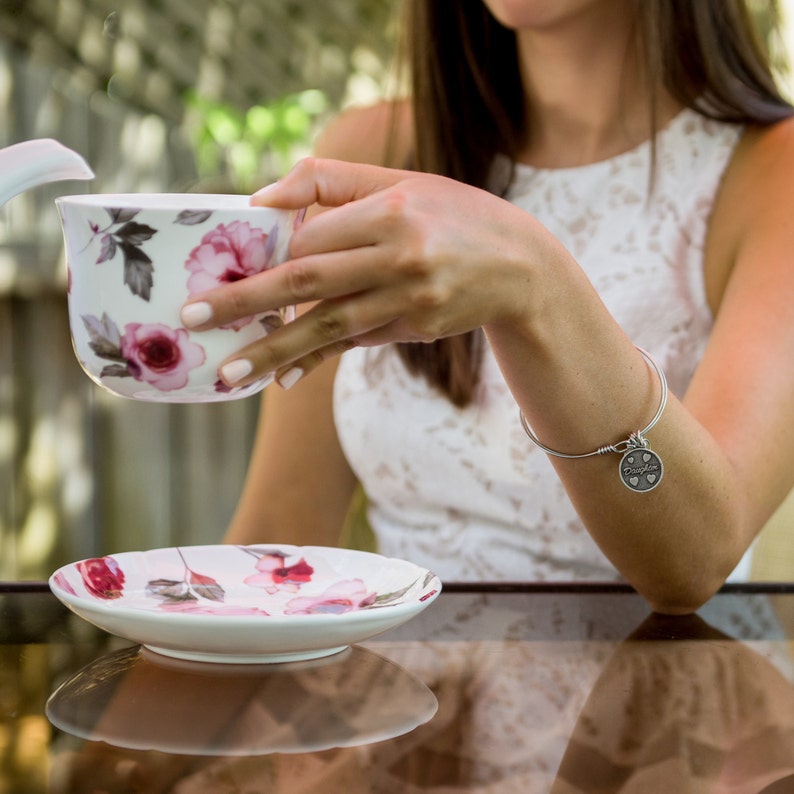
x,y
683,597
684,585
676,606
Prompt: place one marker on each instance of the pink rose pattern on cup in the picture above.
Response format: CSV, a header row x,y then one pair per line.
x,y
159,355
229,253
274,571
154,353
151,353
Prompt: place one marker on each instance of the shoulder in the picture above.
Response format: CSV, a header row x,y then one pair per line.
x,y
762,155
760,169
379,134
753,205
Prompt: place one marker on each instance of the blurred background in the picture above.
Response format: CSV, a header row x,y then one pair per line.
x,y
164,95
157,95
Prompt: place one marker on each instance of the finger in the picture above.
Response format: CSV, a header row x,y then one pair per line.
x,y
298,281
287,377
329,183
252,364
299,343
329,326
368,221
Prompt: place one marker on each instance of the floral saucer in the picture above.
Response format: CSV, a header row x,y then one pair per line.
x,y
245,604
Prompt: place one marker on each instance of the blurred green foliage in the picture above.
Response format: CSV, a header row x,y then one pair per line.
x,y
248,148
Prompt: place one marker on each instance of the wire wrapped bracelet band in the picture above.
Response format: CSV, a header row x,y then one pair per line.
x,y
640,469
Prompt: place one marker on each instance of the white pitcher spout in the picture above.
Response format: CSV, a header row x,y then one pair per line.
x,y
32,163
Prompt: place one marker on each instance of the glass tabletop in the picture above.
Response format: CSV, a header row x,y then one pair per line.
x,y
508,688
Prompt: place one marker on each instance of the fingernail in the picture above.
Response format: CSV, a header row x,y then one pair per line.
x,y
195,314
290,377
263,190
236,370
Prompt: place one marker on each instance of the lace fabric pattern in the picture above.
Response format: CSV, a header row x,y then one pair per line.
x,y
461,491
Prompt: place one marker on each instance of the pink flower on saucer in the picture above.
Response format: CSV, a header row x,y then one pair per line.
x,y
274,573
345,596
159,355
62,582
228,253
194,608
102,577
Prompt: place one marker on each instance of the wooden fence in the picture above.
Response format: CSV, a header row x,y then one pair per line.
x,y
82,472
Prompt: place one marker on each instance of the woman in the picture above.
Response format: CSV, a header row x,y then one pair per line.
x,y
589,177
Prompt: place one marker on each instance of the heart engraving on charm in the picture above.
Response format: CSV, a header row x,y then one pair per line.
x,y
641,469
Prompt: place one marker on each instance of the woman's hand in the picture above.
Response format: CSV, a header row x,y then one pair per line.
x,y
399,256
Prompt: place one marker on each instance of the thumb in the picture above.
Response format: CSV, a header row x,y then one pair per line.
x,y
329,183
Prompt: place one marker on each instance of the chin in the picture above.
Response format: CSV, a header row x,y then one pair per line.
x,y
518,14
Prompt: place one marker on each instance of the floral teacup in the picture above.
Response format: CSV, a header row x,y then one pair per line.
x,y
133,261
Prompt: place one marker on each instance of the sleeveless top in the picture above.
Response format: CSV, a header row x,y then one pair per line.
x,y
463,491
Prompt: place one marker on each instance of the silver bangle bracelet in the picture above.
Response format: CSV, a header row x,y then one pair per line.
x,y
640,469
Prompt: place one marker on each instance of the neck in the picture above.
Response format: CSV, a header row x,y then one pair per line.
x,y
587,96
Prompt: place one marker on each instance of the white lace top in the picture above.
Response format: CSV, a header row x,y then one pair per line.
x,y
463,491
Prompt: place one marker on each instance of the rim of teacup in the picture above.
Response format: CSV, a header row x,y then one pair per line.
x,y
164,201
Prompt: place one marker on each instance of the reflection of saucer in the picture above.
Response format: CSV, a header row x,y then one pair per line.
x,y
137,699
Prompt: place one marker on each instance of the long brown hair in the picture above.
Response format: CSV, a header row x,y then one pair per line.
x,y
469,105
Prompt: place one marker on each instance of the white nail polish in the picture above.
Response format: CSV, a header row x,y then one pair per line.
x,y
290,377
195,314
264,190
236,370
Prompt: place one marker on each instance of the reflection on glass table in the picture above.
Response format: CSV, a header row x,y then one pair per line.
x,y
701,713
555,690
138,699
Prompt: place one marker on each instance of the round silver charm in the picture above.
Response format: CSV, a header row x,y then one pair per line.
x,y
641,469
